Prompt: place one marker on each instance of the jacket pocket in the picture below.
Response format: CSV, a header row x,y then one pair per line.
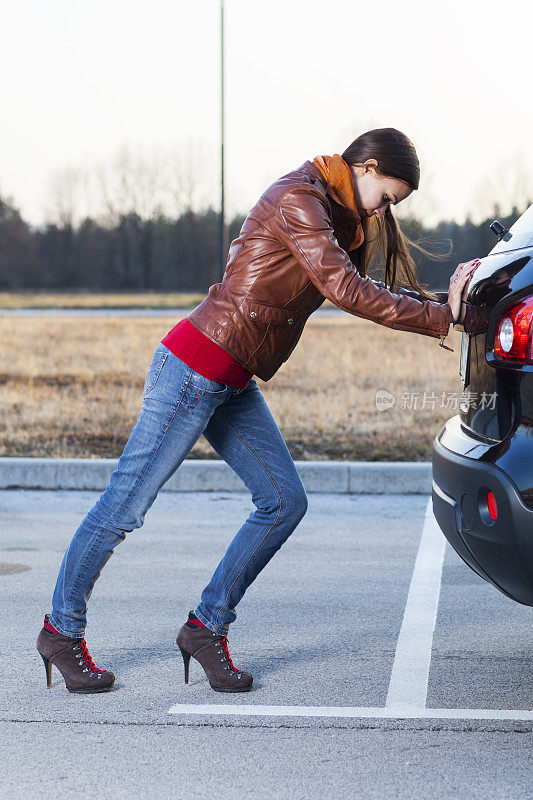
x,y
263,313
273,331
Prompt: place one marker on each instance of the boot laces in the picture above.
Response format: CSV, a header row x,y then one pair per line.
x,y
85,656
224,643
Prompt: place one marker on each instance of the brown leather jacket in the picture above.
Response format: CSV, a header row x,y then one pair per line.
x,y
286,260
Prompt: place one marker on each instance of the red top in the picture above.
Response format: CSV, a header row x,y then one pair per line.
x,y
206,357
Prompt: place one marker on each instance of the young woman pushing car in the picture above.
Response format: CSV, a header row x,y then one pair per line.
x,y
312,234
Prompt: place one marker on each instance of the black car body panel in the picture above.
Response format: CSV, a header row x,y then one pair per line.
x,y
488,447
501,551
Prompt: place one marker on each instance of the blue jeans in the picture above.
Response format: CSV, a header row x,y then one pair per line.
x,y
178,406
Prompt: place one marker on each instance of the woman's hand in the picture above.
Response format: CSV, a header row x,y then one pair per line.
x,y
458,287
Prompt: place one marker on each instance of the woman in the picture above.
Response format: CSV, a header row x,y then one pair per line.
x,y
313,234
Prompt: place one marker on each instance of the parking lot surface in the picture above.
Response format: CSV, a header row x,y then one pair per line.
x,y
383,667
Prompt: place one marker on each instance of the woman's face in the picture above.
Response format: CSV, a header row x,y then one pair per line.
x,y
375,192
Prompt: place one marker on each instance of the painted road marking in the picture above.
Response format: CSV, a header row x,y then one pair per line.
x,y
352,711
410,671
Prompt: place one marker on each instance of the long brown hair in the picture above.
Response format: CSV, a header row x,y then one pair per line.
x,y
397,158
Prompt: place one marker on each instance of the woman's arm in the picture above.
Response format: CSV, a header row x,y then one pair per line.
x,y
301,222
473,319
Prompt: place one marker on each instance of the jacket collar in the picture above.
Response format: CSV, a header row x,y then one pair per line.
x,y
310,168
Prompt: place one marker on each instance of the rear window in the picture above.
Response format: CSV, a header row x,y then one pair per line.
x,y
520,234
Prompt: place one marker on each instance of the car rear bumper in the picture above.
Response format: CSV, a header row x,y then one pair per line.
x,y
501,551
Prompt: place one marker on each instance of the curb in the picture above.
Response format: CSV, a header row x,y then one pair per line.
x,y
214,475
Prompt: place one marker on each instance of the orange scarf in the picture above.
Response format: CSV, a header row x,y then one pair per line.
x,y
341,186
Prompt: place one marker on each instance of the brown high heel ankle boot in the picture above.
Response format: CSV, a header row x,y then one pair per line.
x,y
210,649
72,659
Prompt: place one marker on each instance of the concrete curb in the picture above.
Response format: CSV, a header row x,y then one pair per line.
x,y
198,475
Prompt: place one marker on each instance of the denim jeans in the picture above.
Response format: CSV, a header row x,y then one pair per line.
x,y
178,406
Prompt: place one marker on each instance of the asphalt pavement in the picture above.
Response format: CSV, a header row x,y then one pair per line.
x,y
383,666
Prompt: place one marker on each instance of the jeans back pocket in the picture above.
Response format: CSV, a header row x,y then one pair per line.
x,y
205,385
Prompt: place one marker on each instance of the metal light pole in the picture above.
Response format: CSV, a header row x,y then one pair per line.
x,y
222,234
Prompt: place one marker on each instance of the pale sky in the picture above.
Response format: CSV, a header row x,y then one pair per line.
x,y
81,80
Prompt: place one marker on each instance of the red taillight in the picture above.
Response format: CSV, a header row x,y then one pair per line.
x,y
514,340
492,506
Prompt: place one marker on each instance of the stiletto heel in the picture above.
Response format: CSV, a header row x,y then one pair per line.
x,y
48,668
186,660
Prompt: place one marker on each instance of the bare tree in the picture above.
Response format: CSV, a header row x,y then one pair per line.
x,y
68,197
131,182
191,177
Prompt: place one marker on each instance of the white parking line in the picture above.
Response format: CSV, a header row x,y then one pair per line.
x,y
352,712
410,671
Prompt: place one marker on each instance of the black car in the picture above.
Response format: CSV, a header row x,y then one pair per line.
x,y
483,457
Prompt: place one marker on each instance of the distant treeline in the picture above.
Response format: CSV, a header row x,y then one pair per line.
x,y
178,254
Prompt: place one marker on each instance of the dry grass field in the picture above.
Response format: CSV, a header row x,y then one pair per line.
x,y
79,299
71,387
